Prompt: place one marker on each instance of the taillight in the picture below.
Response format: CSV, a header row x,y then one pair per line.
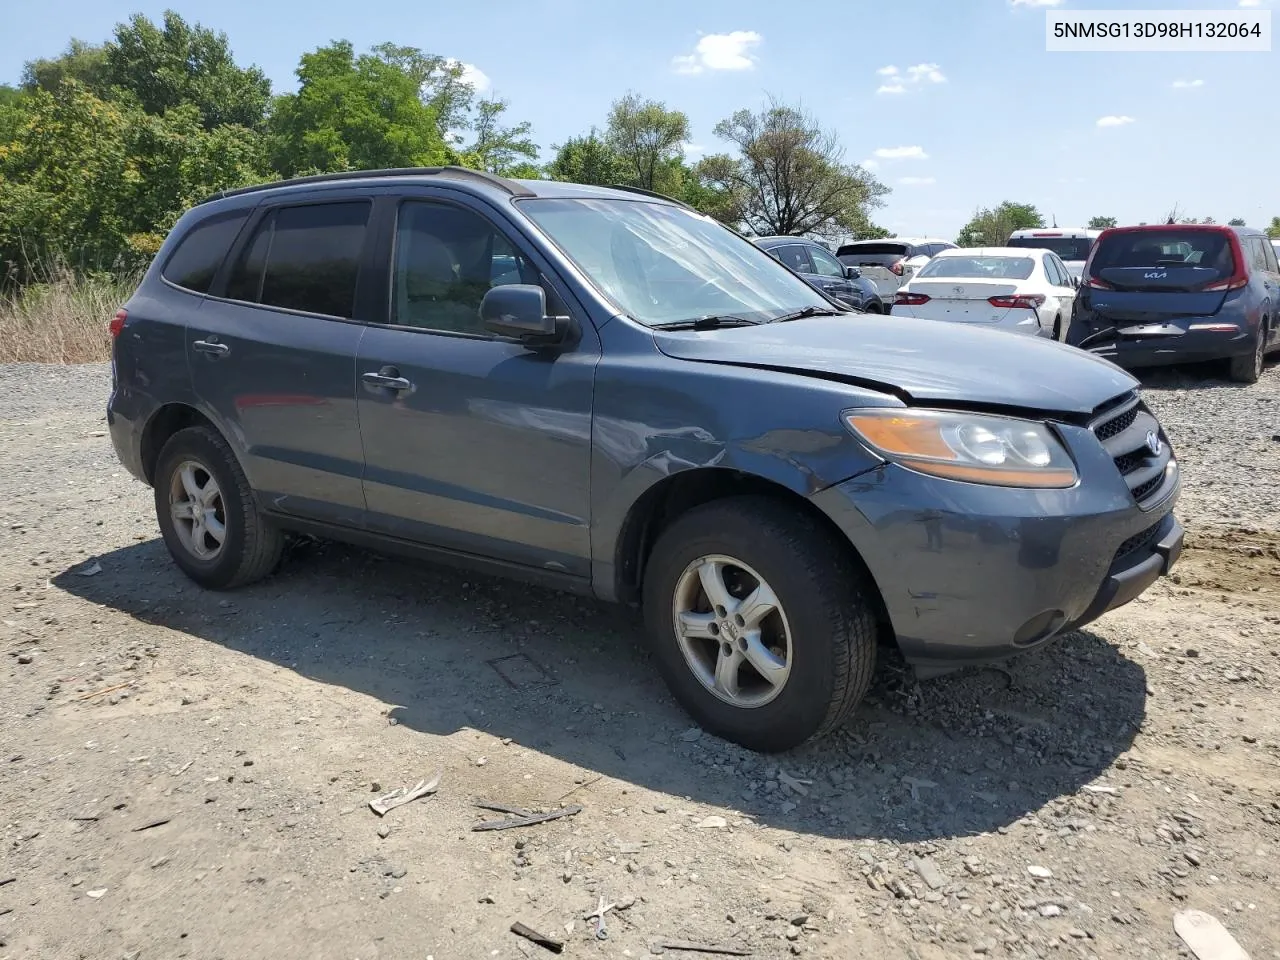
x,y
897,267
117,322
1234,283
1030,301
910,299
1096,284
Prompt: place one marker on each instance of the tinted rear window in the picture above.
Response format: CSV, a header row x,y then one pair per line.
x,y
978,268
305,258
1068,248
1206,249
198,255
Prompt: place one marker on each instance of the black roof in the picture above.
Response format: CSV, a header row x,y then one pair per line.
x,y
480,179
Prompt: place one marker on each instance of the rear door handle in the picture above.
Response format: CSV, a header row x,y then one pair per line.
x,y
386,380
211,347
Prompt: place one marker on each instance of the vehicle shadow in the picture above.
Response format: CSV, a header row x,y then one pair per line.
x,y
1211,375
960,755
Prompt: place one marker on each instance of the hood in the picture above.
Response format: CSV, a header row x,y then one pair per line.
x,y
923,361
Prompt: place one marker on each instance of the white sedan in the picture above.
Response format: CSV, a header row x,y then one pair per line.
x,y
1012,288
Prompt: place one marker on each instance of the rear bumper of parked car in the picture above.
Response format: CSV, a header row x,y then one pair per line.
x,y
1191,347
972,574
127,415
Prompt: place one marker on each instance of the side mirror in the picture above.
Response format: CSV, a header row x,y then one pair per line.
x,y
519,310
852,273
1075,281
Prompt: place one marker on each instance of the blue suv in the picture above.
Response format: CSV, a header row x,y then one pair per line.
x,y
821,269
604,391
1180,293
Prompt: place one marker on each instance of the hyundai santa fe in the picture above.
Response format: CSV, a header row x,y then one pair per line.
x,y
604,391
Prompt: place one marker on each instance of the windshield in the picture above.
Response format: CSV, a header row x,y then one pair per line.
x,y
1208,249
663,264
1068,248
985,268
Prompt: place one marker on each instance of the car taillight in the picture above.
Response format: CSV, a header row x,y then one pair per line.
x,y
1234,283
897,267
117,322
1097,284
910,299
1030,301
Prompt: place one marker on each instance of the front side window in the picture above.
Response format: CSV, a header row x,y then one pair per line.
x,y
199,254
304,258
824,264
977,268
663,264
446,259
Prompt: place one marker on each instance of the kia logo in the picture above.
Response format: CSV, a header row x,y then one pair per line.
x,y
1159,275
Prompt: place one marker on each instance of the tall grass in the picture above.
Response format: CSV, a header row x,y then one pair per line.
x,y
62,318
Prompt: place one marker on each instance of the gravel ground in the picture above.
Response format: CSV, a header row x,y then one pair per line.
x,y
186,774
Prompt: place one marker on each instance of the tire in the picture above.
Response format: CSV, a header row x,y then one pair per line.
x,y
249,550
824,615
873,306
1248,368
1057,328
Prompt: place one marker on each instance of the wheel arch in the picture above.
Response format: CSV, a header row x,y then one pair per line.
x,y
164,423
675,495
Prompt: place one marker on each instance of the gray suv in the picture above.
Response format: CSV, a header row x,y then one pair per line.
x,y
604,391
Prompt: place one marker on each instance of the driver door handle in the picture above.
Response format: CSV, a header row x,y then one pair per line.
x,y
387,380
211,347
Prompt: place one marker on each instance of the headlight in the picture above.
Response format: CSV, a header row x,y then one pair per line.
x,y
967,446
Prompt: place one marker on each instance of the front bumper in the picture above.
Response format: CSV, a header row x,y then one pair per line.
x,y
972,574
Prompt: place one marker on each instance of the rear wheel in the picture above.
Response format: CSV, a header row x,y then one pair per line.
x,y
1248,368
759,622
207,513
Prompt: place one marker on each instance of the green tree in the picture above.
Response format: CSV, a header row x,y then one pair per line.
x,y
175,64
1101,223
96,184
441,83
83,62
12,100
1236,222
587,159
789,176
992,227
645,137
496,148
1273,228
354,113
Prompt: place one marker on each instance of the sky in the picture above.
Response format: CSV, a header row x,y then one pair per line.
x,y
954,104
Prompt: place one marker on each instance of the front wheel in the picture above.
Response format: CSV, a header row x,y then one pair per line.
x,y
760,623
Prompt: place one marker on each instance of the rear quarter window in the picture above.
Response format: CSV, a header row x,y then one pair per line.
x,y
200,252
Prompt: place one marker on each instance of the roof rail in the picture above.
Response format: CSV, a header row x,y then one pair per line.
x,y
651,193
452,173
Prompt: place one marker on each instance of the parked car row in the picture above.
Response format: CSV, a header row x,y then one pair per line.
x,y
606,392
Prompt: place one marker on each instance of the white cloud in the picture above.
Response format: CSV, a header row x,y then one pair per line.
x,y
917,181
925,71
1187,84
896,80
901,153
1114,121
870,164
473,75
1035,3
720,51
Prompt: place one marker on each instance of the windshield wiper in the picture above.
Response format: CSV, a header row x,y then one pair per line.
x,y
809,312
709,322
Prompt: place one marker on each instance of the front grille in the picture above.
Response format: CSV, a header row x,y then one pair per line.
x,y
1139,541
1124,430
